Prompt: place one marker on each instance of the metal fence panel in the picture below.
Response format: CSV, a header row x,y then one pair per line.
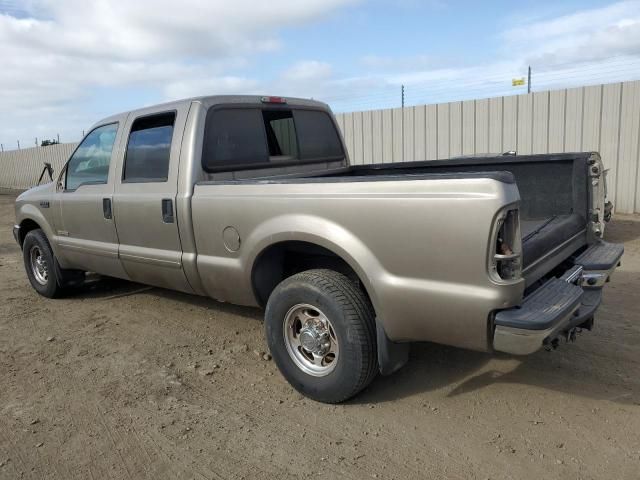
x,y
455,129
443,132
431,131
540,135
628,152
509,124
604,118
495,125
481,140
573,120
20,169
408,122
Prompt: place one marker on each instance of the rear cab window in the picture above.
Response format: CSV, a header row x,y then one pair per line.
x,y
242,138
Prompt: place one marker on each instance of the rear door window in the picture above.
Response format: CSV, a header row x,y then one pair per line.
x,y
244,138
149,149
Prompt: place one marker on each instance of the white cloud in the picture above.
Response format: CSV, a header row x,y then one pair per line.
x,y
588,35
201,85
596,45
55,53
308,70
382,62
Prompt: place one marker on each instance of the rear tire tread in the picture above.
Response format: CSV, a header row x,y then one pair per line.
x,y
359,317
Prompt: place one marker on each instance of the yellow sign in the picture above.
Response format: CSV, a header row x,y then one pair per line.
x,y
517,82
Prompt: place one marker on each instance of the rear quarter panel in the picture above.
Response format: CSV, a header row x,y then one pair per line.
x,y
419,246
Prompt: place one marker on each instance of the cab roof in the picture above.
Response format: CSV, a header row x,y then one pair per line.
x,y
211,100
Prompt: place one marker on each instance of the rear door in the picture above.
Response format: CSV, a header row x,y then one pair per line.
x,y
145,195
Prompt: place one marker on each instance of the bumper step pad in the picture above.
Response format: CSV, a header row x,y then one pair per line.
x,y
601,256
544,308
558,306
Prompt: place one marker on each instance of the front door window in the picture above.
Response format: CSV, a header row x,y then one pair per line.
x,y
89,164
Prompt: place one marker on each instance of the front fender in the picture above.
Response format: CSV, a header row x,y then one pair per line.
x,y
28,211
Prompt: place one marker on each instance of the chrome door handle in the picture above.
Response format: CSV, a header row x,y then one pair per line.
x,y
106,208
167,210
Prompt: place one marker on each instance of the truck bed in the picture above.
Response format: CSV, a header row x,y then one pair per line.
x,y
553,190
554,199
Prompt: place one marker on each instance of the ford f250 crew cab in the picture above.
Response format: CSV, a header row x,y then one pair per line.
x,y
252,200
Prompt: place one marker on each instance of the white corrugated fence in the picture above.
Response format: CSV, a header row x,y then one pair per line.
x,y
604,118
20,169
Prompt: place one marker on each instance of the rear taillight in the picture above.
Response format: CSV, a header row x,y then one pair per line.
x,y
505,259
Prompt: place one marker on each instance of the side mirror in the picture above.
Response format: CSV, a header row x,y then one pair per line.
x,y
47,168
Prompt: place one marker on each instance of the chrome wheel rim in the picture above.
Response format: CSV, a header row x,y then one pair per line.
x,y
39,265
311,340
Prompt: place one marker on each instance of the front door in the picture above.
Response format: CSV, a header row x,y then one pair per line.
x,y
87,239
144,199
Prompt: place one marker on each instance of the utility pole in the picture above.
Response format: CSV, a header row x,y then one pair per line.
x,y
36,141
529,80
18,144
402,91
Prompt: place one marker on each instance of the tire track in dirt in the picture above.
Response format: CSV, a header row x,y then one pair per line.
x,y
136,328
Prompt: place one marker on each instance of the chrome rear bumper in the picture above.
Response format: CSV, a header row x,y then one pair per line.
x,y
559,306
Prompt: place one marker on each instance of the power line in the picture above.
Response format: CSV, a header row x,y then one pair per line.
x,y
499,80
493,85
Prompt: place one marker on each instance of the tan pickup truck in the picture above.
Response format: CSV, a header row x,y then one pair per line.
x,y
252,200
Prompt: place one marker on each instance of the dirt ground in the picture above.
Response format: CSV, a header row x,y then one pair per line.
x,y
125,381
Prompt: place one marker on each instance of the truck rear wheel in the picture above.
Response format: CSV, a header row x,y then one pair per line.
x,y
320,329
42,268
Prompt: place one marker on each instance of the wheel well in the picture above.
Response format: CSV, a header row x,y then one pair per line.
x,y
25,227
281,260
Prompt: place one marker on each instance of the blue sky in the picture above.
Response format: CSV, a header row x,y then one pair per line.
x,y
67,63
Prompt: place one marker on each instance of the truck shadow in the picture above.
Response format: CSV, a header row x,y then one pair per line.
x,y
459,372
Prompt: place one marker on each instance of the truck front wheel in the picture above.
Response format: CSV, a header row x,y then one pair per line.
x,y
320,329
43,270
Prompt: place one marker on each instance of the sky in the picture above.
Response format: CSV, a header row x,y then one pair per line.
x,y
64,64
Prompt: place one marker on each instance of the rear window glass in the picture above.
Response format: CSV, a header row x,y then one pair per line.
x,y
317,134
234,137
243,138
149,148
281,133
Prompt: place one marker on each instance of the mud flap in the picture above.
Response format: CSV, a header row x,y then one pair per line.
x,y
391,356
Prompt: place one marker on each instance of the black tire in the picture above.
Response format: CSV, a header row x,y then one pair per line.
x,y
36,241
351,316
